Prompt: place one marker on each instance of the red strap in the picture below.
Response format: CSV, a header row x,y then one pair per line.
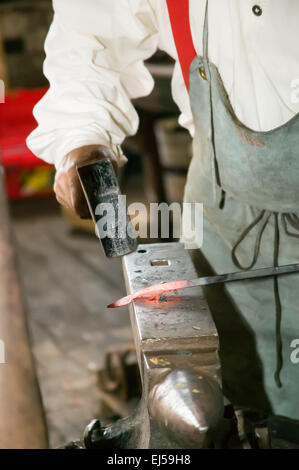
x,y
180,23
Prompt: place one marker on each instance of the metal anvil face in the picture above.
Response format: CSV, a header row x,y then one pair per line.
x,y
177,349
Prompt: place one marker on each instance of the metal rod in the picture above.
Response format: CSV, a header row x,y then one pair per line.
x,y
158,289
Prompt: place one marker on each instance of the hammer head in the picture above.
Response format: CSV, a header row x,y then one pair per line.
x,y
107,207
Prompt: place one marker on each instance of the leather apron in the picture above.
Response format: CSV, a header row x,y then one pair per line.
x,y
248,183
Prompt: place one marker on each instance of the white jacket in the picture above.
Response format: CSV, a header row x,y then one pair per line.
x,y
95,52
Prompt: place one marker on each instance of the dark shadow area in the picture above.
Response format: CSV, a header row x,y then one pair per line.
x,y
242,372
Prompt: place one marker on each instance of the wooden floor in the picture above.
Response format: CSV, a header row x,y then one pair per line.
x,y
67,283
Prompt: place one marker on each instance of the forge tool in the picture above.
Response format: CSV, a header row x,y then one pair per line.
x,y
162,288
105,200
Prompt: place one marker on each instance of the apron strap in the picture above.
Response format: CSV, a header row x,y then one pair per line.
x,y
205,37
261,222
178,11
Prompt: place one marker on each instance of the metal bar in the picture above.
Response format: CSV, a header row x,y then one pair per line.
x,y
162,288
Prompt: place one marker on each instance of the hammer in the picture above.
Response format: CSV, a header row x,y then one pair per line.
x,y
107,207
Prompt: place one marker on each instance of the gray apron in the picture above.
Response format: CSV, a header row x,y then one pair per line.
x,y
249,184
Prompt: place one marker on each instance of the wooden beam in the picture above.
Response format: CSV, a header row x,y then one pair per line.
x,y
22,423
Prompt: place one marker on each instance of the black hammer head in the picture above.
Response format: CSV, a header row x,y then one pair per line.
x,y
108,208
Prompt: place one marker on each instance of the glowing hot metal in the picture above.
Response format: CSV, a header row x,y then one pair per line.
x,y
158,289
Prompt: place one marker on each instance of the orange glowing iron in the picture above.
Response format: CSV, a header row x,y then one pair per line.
x,y
158,289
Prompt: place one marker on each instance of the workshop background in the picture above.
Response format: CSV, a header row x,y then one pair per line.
x,y
65,279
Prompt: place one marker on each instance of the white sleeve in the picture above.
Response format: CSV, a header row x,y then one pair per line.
x,y
94,62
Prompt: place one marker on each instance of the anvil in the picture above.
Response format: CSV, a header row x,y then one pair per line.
x,y
177,345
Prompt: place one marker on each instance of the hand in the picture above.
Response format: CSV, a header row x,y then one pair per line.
x,y
67,186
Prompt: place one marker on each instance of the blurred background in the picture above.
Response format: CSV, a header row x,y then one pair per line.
x,y
66,281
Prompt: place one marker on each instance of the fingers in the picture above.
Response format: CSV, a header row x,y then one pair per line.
x,y
67,186
69,193
61,190
78,200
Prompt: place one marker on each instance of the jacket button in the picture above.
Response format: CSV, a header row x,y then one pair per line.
x,y
257,10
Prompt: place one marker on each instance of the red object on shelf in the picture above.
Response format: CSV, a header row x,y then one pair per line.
x,y
25,174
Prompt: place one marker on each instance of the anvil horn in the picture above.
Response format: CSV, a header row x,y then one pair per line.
x,y
187,406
